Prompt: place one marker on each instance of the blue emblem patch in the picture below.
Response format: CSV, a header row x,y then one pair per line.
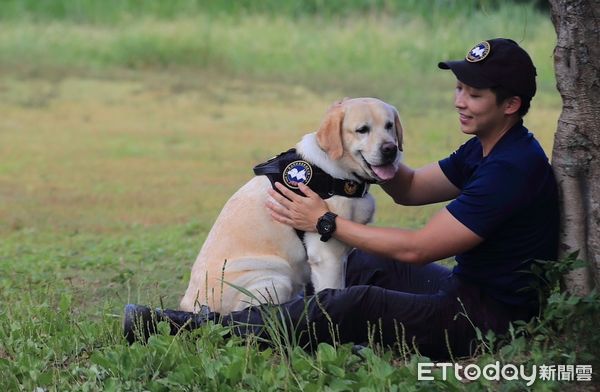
x,y
479,52
297,172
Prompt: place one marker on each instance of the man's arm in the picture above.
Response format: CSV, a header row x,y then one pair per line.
x,y
442,237
421,186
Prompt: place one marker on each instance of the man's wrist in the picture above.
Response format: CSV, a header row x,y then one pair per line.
x,y
326,225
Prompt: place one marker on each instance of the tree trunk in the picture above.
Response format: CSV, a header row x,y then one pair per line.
x,y
576,153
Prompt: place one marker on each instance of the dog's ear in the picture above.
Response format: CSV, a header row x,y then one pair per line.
x,y
399,130
329,135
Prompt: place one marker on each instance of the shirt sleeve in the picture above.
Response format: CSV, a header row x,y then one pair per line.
x,y
453,165
494,193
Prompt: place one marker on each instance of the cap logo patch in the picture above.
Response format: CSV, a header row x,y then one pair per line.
x,y
297,172
479,52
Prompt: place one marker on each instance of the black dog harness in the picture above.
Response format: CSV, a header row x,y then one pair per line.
x,y
290,169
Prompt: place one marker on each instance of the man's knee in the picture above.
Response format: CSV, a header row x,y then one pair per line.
x,y
367,269
359,302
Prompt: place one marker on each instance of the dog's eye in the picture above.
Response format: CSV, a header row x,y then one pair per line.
x,y
363,129
389,125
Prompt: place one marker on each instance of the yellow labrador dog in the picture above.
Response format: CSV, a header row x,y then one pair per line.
x,y
359,142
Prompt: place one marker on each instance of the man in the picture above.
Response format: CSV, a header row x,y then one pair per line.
x,y
502,217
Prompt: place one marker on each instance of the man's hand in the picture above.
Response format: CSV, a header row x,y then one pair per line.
x,y
416,187
300,212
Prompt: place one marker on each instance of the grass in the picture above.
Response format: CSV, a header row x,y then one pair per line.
x,y
127,126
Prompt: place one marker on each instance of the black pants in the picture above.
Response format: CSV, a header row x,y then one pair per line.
x,y
388,302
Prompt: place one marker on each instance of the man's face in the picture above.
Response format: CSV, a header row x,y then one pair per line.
x,y
479,114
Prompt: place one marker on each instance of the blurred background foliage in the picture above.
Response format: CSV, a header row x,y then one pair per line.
x,y
111,11
384,48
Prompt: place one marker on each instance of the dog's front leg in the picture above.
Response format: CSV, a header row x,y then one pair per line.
x,y
327,262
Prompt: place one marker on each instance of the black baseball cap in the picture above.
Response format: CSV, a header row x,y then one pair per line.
x,y
498,62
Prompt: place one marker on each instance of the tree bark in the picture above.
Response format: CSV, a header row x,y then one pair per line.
x,y
576,152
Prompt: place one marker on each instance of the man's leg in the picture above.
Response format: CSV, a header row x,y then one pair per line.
x,y
372,309
363,314
368,269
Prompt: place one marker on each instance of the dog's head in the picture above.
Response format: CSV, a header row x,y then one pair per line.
x,y
365,136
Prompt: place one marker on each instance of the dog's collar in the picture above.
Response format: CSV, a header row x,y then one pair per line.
x,y
289,168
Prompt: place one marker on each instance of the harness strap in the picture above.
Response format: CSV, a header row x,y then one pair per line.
x,y
289,168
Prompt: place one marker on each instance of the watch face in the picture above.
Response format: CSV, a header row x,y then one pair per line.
x,y
326,225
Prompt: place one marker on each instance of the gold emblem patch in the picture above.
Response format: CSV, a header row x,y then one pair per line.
x,y
350,187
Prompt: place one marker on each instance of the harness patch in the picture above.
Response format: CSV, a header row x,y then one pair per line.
x,y
297,172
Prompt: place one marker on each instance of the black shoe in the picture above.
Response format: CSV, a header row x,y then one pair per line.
x,y
140,321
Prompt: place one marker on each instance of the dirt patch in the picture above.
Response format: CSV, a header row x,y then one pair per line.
x,y
4,355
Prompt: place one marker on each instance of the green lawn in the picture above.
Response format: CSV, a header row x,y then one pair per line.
x,y
121,139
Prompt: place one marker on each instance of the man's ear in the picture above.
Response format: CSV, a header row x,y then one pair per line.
x,y
399,129
329,135
512,105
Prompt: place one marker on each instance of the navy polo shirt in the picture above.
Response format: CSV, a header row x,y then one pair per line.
x,y
510,199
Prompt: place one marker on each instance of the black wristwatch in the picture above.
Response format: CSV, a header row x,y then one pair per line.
x,y
326,226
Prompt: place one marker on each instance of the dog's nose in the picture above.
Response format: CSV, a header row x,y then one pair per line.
x,y
389,151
